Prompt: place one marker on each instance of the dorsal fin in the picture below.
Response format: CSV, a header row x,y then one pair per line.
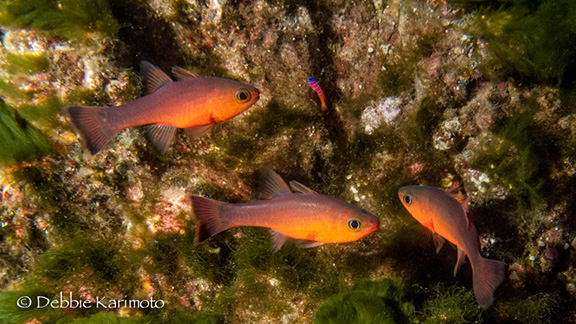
x,y
464,201
300,188
183,74
272,184
153,77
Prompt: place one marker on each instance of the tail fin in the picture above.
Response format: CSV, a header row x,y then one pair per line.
x,y
92,124
208,217
488,275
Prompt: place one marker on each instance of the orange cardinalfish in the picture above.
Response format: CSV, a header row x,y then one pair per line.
x,y
316,87
195,103
294,212
447,218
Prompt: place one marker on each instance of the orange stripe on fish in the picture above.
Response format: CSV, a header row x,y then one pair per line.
x,y
294,212
447,218
316,87
193,102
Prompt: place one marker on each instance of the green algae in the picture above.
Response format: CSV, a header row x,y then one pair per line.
x,y
19,140
531,38
26,63
519,158
381,301
537,308
105,318
453,305
10,90
67,18
97,257
45,114
10,313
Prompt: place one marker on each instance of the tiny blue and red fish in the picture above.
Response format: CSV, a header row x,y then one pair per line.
x,y
316,87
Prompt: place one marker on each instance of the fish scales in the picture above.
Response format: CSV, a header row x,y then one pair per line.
x,y
289,212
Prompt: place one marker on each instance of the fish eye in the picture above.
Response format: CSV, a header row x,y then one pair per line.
x,y
408,199
243,95
354,224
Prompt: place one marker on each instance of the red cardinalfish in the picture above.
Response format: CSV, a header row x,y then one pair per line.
x,y
294,212
195,103
316,87
447,218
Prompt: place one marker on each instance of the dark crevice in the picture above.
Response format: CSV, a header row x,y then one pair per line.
x,y
146,36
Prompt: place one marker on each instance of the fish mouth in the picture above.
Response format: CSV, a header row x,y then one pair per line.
x,y
256,95
373,226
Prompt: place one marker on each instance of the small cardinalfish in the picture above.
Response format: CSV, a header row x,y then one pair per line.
x,y
447,218
316,87
293,211
195,103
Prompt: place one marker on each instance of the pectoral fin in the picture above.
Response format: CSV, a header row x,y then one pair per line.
x,y
161,136
460,261
278,239
438,242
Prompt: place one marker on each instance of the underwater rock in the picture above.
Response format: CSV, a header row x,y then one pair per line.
x,y
416,94
380,112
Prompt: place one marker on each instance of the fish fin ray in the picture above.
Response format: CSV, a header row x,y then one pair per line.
x,y
488,275
161,136
438,242
305,244
92,124
153,77
183,74
460,261
272,184
198,131
300,188
464,201
278,240
207,217
464,204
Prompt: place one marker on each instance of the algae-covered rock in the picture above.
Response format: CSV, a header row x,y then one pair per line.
x,y
470,95
367,302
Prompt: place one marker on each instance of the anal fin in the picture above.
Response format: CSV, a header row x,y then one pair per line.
x,y
305,244
161,136
460,261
